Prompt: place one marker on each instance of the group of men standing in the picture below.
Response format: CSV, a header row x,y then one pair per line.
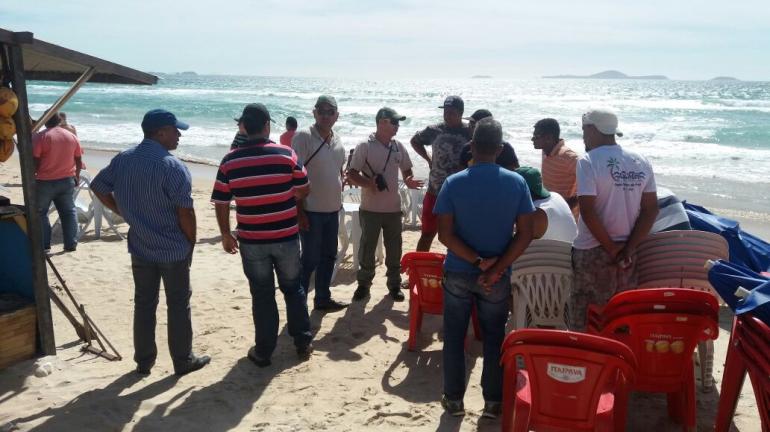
x,y
287,204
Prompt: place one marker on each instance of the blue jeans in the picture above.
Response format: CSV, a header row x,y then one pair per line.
x,y
259,260
60,192
319,252
460,292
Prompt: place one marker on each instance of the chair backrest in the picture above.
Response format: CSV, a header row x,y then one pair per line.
x,y
669,256
751,340
352,195
662,334
568,372
540,253
426,271
541,293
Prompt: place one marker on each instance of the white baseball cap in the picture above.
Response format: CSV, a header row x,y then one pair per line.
x,y
604,119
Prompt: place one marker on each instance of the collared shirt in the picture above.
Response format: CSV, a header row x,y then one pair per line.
x,y
373,157
261,176
57,149
558,170
149,184
323,170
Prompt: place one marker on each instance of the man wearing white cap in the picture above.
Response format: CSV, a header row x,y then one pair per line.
x,y
618,204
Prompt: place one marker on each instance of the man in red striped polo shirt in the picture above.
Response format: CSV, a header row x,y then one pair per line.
x,y
266,181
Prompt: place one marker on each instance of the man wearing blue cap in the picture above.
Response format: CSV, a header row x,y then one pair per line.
x,y
151,190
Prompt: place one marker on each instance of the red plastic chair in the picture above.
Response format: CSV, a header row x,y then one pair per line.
x,y
426,293
749,351
571,381
663,337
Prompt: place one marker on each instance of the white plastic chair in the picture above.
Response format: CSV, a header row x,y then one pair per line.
x,y
90,209
677,259
541,279
350,230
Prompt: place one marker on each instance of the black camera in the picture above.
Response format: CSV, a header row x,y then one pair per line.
x,y
379,180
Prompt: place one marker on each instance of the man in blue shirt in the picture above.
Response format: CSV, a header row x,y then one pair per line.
x,y
477,210
151,189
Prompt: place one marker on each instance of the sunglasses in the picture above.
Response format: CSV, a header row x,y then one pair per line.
x,y
326,112
394,122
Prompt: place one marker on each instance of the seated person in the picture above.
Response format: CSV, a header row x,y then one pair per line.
x,y
553,217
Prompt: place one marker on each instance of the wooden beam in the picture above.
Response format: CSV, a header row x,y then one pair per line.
x,y
34,225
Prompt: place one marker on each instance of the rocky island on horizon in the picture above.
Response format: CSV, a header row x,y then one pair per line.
x,y
610,74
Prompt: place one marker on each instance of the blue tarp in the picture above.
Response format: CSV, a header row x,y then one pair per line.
x,y
726,277
745,249
15,261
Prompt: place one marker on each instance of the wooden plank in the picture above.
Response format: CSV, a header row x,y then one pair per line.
x,y
34,227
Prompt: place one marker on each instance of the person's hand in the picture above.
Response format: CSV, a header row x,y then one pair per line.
x,y
371,184
486,263
302,221
229,243
625,257
412,183
489,278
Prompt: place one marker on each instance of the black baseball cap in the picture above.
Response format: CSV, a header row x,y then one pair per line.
x,y
255,114
389,113
478,115
455,102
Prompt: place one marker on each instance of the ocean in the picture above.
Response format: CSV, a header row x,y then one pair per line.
x,y
706,137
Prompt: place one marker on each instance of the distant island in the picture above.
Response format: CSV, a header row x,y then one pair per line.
x,y
724,78
610,74
481,76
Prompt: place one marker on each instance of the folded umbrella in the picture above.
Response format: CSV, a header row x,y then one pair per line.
x,y
727,277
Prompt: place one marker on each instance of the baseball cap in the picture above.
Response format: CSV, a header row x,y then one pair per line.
x,y
158,118
478,115
604,119
255,114
326,99
455,102
389,113
534,181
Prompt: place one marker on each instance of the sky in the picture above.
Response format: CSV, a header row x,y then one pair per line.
x,y
404,39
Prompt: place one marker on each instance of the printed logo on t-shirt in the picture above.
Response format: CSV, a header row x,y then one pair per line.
x,y
628,180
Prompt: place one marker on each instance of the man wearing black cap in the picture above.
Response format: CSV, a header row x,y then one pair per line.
x,y
447,140
151,190
320,151
507,157
375,166
266,181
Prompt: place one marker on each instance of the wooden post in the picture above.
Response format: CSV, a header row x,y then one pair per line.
x,y
34,227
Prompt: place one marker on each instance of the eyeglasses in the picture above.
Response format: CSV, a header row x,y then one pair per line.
x,y
325,112
394,122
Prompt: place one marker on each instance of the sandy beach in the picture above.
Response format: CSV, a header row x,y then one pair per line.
x,y
361,377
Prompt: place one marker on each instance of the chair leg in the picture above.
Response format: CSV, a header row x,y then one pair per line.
x,y
688,393
733,378
415,319
706,358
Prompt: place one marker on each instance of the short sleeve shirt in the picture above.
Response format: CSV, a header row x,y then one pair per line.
x,y
323,161
447,144
617,178
373,157
485,200
57,149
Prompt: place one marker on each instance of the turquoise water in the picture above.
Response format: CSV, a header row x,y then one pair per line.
x,y
702,133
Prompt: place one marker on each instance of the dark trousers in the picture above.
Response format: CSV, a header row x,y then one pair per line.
x,y
176,282
371,225
319,252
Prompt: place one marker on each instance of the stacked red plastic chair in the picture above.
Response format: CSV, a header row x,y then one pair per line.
x,y
558,380
749,351
662,326
426,292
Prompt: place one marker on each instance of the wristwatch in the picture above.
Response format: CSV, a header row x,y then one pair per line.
x,y
478,261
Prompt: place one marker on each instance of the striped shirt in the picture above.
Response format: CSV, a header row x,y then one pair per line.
x,y
261,176
558,170
149,184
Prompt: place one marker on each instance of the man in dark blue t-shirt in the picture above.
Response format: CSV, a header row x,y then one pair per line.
x,y
477,210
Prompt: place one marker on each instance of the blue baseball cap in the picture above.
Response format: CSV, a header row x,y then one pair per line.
x,y
158,118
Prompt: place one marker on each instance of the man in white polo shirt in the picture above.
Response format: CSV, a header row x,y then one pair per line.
x,y
618,204
320,150
375,166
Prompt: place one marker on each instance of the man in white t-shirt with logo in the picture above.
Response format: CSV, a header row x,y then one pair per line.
x,y
618,204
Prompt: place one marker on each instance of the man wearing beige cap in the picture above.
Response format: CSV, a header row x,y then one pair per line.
x,y
618,204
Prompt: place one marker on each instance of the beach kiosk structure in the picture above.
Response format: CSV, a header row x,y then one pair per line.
x,y
23,58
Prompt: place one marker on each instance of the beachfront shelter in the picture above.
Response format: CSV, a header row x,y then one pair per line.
x,y
22,58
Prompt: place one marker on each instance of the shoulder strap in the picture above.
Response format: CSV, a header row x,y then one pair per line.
x,y
317,150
